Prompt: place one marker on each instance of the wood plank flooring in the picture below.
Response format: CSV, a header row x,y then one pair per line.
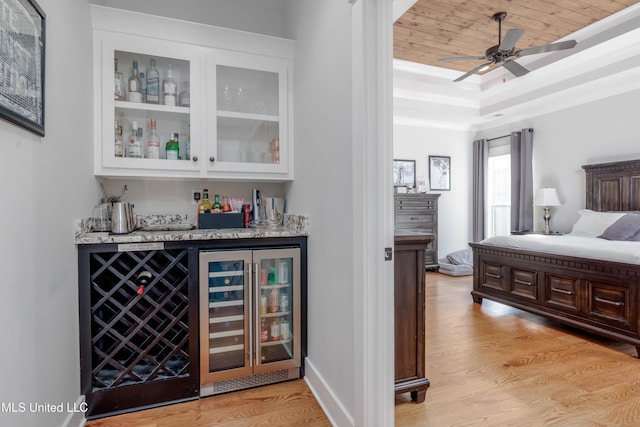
x,y
489,365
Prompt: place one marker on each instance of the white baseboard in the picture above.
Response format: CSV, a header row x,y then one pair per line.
x,y
76,419
330,404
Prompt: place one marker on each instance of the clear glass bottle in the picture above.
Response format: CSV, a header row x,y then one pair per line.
x,y
134,147
153,144
170,89
173,147
187,145
185,96
119,85
118,145
153,83
135,85
143,89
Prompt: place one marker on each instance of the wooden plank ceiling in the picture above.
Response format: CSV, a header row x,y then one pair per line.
x,y
435,29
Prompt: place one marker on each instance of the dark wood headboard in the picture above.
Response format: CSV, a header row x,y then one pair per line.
x,y
613,186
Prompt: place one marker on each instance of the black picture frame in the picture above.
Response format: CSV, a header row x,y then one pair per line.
x,y
404,173
440,173
22,57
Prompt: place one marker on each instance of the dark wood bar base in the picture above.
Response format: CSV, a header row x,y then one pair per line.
x,y
409,297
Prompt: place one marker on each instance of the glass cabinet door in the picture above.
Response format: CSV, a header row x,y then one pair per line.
x,y
224,315
250,131
277,309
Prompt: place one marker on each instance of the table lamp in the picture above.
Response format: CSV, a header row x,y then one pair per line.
x,y
546,198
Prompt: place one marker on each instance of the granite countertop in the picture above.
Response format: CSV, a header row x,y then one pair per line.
x,y
293,226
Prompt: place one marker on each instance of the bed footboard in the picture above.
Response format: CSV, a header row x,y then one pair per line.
x,y
597,296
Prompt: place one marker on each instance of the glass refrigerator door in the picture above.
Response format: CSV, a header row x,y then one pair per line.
x,y
224,315
277,309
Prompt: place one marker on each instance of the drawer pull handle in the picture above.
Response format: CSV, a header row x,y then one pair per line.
x,y
562,291
522,282
494,276
607,301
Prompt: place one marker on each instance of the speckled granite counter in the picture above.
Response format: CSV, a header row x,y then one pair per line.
x,y
294,226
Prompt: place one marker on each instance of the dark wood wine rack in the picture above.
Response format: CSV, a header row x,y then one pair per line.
x,y
138,341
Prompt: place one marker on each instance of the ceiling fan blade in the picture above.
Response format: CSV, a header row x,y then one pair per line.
x,y
462,58
515,68
475,70
510,39
568,44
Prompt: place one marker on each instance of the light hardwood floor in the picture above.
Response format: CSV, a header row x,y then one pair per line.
x,y
489,365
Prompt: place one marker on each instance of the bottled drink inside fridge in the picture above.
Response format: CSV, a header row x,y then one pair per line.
x,y
170,89
153,144
153,83
135,85
134,147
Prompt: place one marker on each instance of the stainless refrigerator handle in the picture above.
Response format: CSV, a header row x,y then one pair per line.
x,y
256,295
250,287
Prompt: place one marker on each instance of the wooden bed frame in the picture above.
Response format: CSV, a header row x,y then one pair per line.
x,y
597,296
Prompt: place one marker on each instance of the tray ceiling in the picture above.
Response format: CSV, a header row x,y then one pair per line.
x,y
435,29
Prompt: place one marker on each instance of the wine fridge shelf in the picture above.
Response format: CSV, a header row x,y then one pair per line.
x,y
139,338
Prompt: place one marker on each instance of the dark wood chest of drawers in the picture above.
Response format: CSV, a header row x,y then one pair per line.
x,y
419,212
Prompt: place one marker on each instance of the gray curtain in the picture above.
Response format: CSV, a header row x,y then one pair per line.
x,y
522,180
480,156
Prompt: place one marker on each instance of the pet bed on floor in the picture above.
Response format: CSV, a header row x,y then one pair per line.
x,y
459,263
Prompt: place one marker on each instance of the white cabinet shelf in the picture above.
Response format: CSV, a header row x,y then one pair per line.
x,y
238,119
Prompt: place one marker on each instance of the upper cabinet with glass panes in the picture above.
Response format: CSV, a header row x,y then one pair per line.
x,y
169,104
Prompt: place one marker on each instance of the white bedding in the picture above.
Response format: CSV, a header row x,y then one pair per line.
x,y
578,246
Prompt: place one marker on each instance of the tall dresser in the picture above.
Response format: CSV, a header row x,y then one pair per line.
x,y
419,212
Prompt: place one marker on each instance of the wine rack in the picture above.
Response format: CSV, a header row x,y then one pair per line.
x,y
139,337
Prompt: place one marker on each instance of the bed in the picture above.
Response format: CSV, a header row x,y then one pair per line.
x,y
579,279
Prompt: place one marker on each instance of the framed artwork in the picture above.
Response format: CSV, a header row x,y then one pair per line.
x,y
22,44
404,173
440,173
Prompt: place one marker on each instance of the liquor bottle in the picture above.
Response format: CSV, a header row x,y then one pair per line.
x,y
184,100
143,280
135,85
226,207
173,147
153,83
119,92
217,208
205,204
134,148
187,145
118,145
153,144
170,89
140,139
143,87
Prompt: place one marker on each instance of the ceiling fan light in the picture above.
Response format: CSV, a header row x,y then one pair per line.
x,y
485,68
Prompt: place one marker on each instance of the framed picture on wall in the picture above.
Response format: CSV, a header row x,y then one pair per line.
x,y
22,37
404,173
440,173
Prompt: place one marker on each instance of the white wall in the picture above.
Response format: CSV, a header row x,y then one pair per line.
x,y
598,132
44,184
262,16
418,143
323,183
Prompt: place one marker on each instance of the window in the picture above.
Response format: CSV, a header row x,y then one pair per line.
x,y
498,191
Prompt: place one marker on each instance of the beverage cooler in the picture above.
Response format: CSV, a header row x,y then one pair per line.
x,y
249,318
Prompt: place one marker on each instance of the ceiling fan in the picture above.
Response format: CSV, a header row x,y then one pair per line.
x,y
505,54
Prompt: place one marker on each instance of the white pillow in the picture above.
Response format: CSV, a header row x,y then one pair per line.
x,y
592,223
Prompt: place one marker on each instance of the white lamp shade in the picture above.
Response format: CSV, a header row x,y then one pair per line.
x,y
547,197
